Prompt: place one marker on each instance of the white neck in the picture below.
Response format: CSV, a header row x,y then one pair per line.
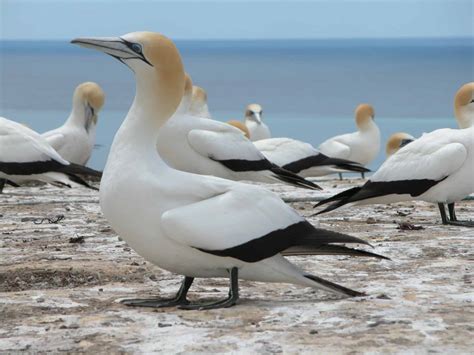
x,y
465,116
368,126
185,104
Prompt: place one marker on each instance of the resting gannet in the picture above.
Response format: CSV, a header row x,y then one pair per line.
x,y
302,158
396,141
253,120
194,225
75,139
25,156
198,105
207,147
437,167
240,125
361,146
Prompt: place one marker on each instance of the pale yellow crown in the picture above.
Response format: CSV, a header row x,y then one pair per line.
x,y
241,126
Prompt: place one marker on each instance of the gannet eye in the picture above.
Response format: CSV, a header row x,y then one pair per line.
x,y
136,48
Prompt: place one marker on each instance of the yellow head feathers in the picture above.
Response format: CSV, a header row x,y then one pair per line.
x,y
188,85
241,126
253,108
396,141
199,94
364,114
464,105
91,93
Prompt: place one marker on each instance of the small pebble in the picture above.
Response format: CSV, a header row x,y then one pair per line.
x,y
371,220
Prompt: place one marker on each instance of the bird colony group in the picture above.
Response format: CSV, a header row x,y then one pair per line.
x,y
188,212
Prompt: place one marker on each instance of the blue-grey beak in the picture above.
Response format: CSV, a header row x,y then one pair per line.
x,y
117,47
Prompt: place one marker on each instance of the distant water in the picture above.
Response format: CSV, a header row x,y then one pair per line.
x,y
308,88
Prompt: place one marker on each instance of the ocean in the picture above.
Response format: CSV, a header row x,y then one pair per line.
x,y
308,88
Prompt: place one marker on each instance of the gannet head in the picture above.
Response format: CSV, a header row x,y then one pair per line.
x,y
364,116
254,112
464,105
396,141
87,101
156,62
240,126
199,103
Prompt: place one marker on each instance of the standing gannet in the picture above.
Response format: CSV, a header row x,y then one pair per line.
x,y
207,147
253,120
25,156
194,225
361,146
396,141
437,167
75,139
198,105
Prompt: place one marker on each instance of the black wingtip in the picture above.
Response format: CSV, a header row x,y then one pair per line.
x,y
335,287
293,179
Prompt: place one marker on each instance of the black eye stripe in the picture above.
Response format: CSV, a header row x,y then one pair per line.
x,y
137,48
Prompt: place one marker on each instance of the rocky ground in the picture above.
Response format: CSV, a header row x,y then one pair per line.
x,y
62,270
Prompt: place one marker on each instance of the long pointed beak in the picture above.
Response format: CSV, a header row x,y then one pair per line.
x,y
115,46
257,117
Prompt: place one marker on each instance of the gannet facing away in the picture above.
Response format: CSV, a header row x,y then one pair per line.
x,y
396,141
75,139
194,225
240,125
198,105
253,120
207,147
361,146
25,156
437,167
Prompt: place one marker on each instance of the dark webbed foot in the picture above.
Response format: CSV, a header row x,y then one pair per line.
x,y
178,300
228,302
452,220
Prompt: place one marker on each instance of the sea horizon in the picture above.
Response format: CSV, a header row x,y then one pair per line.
x,y
308,88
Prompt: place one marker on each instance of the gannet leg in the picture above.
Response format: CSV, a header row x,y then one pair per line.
x,y
340,176
453,221
228,302
452,213
179,299
442,212
362,174
2,184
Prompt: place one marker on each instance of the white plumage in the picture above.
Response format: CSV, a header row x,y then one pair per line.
x,y
198,226
25,155
75,139
207,147
253,120
303,159
437,167
361,146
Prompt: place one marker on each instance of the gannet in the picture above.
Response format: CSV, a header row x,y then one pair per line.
x,y
75,139
198,105
396,141
194,225
25,156
203,146
302,158
437,167
361,146
240,125
253,120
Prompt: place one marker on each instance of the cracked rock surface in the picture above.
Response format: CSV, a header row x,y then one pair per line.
x,y
60,279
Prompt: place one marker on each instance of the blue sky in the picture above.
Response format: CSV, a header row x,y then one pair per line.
x,y
234,19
